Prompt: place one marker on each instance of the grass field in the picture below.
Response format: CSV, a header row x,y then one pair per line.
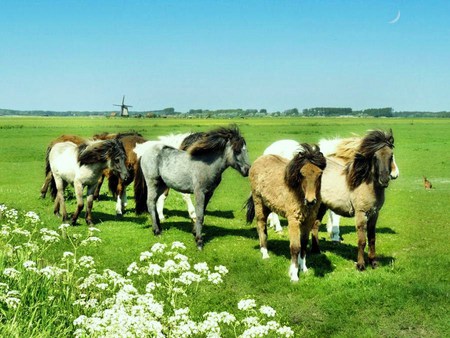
x,y
408,295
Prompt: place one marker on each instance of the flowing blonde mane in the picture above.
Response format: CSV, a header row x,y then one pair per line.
x,y
344,149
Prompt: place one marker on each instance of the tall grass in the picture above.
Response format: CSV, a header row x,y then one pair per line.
x,y
406,296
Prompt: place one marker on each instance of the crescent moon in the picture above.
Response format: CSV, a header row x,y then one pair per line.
x,y
396,18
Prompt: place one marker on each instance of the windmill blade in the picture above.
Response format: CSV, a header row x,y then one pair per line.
x,y
123,100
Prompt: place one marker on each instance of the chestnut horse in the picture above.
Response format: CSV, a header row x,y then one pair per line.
x,y
292,189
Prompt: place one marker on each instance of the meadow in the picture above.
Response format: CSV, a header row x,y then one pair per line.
x,y
406,296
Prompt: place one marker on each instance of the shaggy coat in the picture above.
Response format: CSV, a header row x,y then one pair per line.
x,y
197,170
291,189
81,166
355,186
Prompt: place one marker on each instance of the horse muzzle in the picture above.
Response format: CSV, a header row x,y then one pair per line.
x,y
244,171
310,203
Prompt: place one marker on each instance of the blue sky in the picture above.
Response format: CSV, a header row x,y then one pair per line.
x,y
84,55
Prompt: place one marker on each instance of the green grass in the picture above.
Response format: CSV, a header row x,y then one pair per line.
x,y
408,295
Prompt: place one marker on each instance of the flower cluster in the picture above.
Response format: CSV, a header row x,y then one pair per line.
x,y
107,303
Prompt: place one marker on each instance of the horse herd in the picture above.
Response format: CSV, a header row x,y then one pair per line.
x,y
298,181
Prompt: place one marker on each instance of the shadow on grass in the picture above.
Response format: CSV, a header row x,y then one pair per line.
x,y
99,217
346,229
184,213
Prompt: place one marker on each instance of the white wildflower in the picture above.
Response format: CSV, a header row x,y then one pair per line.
x,y
68,254
215,278
32,217
188,277
251,321
170,266
178,245
132,269
181,257
145,256
29,265
158,247
11,273
86,262
64,226
12,302
201,267
246,304
285,331
154,269
267,310
90,240
22,232
221,269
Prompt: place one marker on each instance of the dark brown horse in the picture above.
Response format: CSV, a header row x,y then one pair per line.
x,y
116,185
354,183
292,189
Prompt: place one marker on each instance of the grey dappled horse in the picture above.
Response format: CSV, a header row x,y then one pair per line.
x,y
198,171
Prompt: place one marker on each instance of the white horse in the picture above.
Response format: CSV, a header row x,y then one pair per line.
x,y
288,149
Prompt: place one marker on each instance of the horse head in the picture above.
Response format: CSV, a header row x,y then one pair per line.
x,y
227,141
305,171
374,160
117,158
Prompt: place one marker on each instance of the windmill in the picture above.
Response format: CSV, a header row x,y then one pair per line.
x,y
124,108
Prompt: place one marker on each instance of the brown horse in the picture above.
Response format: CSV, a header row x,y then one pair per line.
x,y
116,185
48,173
292,189
354,183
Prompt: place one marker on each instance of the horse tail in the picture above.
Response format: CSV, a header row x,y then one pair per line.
x,y
140,190
250,205
48,171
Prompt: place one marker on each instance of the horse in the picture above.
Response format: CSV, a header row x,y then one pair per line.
x,y
291,188
353,185
288,148
116,185
198,171
82,165
179,141
48,173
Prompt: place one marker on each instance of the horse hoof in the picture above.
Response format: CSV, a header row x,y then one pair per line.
x,y
89,222
374,264
361,267
156,232
200,245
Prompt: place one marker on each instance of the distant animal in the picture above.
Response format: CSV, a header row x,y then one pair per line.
x,y
288,148
196,171
116,185
292,189
427,184
48,173
82,165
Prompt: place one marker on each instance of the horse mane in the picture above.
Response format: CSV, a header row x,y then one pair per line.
x,y
99,151
359,170
191,139
216,140
128,133
311,154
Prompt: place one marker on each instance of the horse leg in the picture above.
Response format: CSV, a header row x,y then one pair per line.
x,y
154,190
333,226
261,213
79,195
315,229
294,246
371,224
361,223
90,202
201,200
190,206
47,181
160,205
98,187
119,202
59,199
